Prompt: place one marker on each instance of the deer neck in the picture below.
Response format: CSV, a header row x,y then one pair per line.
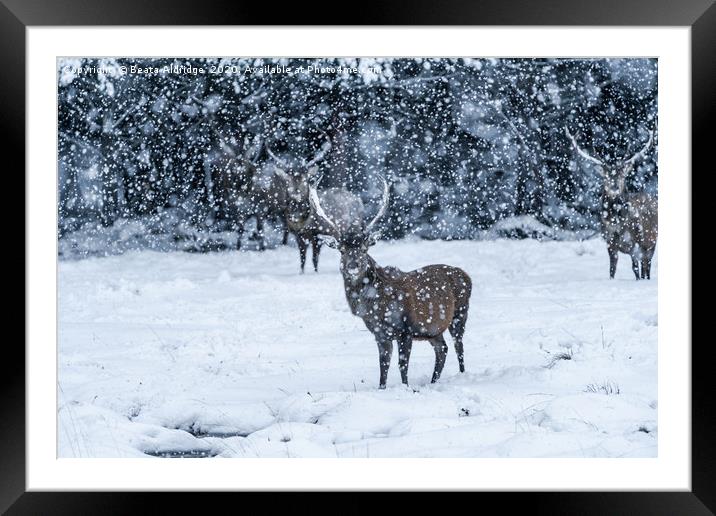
x,y
615,212
298,222
361,291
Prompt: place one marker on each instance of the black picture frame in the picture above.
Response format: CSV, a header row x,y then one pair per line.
x,y
17,15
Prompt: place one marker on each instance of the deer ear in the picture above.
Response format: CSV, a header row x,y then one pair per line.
x,y
329,241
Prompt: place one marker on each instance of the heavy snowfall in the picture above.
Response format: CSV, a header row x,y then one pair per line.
x,y
187,328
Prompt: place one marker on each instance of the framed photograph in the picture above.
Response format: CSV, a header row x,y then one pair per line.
x,y
443,252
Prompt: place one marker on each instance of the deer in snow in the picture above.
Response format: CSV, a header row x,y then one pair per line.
x,y
345,207
396,305
629,221
243,191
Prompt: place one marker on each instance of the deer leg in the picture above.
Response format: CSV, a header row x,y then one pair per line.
x,y
284,241
613,257
405,345
457,330
316,244
240,233
302,251
385,351
440,349
646,264
260,232
635,267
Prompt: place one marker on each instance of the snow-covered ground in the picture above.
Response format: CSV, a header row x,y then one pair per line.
x,y
235,354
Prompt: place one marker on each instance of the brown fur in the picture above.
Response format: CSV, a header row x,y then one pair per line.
x,y
630,226
629,220
396,305
406,306
242,194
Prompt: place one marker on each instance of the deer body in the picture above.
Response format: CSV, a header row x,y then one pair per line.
x,y
406,306
396,305
300,221
629,225
629,221
422,303
243,193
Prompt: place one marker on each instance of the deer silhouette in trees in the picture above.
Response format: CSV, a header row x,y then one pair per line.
x,y
243,191
344,207
629,221
396,305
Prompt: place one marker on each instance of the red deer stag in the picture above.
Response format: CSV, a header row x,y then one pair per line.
x,y
345,207
243,191
397,305
629,220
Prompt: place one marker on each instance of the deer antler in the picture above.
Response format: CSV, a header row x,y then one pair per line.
x,y
383,205
279,161
325,147
224,146
253,148
641,153
581,152
318,209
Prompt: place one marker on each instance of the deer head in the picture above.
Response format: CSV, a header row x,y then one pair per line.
x,y
293,170
297,174
614,174
352,242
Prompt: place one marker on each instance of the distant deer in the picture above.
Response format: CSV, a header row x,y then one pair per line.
x,y
629,220
345,207
397,305
244,192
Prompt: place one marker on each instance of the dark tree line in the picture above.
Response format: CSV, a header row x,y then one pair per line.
x,y
464,142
